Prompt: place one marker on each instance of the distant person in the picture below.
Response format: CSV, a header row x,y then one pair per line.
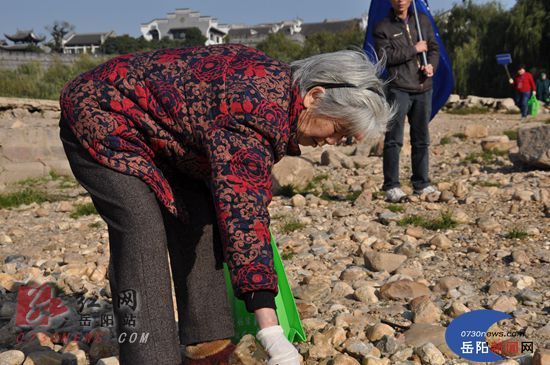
x,y
524,84
176,148
410,90
543,88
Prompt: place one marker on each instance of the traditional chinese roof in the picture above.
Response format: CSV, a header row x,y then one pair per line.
x,y
15,47
87,39
330,26
24,36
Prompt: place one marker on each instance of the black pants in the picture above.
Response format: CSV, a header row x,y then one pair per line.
x,y
417,107
141,235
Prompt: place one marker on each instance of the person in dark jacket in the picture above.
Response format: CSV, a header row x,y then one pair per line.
x,y
543,88
176,148
410,90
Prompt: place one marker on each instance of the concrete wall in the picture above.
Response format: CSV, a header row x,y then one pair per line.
x,y
10,60
29,140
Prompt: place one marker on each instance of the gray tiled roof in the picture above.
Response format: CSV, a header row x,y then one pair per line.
x,y
85,39
247,32
24,36
329,26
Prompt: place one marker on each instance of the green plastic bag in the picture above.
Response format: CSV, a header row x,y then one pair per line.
x,y
533,105
289,319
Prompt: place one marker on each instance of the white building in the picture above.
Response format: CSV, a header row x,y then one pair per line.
x,y
176,23
85,42
295,29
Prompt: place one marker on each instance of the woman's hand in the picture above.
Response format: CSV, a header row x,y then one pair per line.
x,y
280,350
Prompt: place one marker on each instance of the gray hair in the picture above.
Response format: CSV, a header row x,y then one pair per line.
x,y
363,105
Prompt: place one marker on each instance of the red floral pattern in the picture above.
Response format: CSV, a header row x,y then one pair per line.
x,y
222,113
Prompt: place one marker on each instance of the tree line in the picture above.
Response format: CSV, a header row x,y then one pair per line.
x,y
475,33
472,33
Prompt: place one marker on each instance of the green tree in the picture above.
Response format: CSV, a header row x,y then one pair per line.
x,y
324,42
528,34
194,37
281,47
121,45
127,44
474,33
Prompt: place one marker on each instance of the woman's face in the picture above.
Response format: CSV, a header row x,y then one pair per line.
x,y
318,130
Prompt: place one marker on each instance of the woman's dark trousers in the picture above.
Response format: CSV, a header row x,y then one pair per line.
x,y
142,233
417,107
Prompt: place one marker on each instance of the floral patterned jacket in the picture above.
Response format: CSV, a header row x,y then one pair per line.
x,y
223,113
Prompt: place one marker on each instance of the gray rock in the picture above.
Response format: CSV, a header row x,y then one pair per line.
x,y
379,330
43,358
387,217
293,171
77,357
298,201
456,309
420,334
403,289
441,241
343,359
366,294
113,360
382,261
334,158
523,195
357,347
342,289
387,344
424,310
522,281
447,283
530,295
430,354
12,357
499,143
475,131
505,304
314,292
534,144
488,224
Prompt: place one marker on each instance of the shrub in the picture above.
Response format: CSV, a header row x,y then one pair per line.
x,y
81,210
25,196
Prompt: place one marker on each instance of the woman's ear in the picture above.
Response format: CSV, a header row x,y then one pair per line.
x,y
312,95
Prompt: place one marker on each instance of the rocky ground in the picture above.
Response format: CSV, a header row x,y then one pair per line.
x,y
375,283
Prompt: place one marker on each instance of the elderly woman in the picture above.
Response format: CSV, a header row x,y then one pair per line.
x,y
175,148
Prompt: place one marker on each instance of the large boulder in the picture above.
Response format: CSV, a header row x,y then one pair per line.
x,y
507,104
293,171
453,101
472,101
534,145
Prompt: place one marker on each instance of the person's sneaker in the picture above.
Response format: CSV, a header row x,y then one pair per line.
x,y
395,195
427,190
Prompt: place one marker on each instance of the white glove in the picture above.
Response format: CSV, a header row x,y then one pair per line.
x,y
280,350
